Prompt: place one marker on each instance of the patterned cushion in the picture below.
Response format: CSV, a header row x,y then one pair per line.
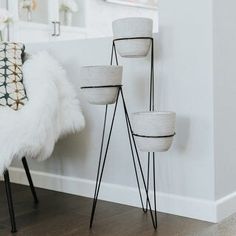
x,y
12,90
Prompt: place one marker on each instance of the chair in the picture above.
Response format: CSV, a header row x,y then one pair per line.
x,y
9,193
65,104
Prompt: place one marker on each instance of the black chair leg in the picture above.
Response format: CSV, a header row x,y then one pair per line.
x,y
9,201
25,164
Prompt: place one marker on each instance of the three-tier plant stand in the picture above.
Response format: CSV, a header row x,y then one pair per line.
x,y
132,136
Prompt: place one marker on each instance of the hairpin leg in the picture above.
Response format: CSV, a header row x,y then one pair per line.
x,y
9,201
133,152
101,164
133,144
148,178
154,189
25,164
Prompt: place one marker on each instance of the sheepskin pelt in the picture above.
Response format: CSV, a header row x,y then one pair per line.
x,y
53,110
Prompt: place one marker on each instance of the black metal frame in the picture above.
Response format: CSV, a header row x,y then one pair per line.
x,y
9,193
131,135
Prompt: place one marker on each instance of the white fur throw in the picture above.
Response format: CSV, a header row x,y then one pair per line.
x,y
52,111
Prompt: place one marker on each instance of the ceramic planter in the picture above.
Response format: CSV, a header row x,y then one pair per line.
x,y
95,76
133,27
147,126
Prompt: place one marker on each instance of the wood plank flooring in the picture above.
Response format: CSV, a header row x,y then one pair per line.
x,y
61,214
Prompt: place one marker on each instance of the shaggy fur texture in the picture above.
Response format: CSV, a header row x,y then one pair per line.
x,y
52,111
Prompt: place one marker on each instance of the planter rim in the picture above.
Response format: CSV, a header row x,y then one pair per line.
x,y
132,18
155,136
103,66
102,86
154,113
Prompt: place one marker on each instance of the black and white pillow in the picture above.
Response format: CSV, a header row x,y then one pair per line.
x,y
12,90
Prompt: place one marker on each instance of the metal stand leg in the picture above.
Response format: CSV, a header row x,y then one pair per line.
x,y
154,188
25,164
133,144
148,177
114,54
9,201
101,163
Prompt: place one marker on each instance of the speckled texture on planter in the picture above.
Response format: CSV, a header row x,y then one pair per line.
x,y
133,27
101,76
154,124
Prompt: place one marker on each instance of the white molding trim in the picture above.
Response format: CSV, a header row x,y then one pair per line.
x,y
226,206
212,211
142,5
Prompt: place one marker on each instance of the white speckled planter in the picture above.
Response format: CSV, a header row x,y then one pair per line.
x,y
132,27
151,125
92,76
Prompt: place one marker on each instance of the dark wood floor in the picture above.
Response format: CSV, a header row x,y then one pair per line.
x,y
66,215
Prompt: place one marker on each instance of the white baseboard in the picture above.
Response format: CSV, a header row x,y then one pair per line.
x,y
212,211
226,206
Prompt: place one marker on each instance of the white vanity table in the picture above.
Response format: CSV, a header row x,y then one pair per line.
x,y
44,25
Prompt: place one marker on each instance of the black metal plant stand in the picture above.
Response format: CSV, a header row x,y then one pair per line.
x,y
131,136
9,193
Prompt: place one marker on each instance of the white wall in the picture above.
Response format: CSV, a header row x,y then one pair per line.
x,y
200,49
225,96
3,3
185,73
